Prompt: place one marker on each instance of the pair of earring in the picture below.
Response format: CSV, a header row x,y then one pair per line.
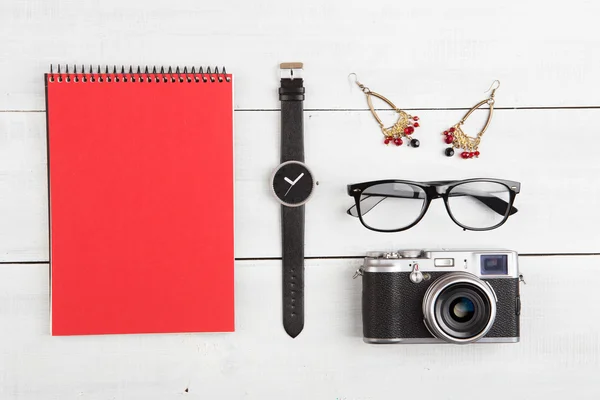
x,y
454,136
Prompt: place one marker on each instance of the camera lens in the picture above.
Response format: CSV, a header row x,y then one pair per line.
x,y
462,309
459,308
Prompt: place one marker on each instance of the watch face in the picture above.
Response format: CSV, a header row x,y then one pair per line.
x,y
292,183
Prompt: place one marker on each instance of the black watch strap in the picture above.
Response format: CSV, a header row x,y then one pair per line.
x,y
291,95
292,224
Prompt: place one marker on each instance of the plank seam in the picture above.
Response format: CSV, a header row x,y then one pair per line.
x,y
356,257
381,109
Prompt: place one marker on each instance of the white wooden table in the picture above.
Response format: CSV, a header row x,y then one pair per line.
x,y
433,57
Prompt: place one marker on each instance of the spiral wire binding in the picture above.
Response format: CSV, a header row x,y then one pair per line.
x,y
156,75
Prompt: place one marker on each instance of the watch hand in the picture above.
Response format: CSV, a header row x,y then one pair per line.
x,y
288,180
298,178
288,190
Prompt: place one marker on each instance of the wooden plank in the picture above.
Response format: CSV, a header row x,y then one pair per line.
x,y
440,54
23,187
558,354
558,211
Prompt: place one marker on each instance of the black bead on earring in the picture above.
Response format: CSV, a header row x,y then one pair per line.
x,y
449,151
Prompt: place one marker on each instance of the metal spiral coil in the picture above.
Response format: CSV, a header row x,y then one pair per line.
x,y
155,74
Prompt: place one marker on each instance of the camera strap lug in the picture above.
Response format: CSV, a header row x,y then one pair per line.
x,y
521,279
359,272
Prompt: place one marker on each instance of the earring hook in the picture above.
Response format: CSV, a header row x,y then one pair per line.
x,y
496,83
360,85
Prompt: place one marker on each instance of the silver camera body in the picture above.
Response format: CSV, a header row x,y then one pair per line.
x,y
441,296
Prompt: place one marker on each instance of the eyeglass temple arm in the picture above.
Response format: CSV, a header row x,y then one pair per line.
x,y
494,203
353,211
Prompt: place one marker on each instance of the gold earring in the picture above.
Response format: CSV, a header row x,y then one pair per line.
x,y
459,139
404,126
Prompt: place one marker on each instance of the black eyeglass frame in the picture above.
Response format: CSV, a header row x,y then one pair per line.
x,y
432,191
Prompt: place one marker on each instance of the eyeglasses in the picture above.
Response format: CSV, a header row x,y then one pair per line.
x,y
396,205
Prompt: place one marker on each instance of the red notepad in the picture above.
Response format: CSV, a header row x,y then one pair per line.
x,y
141,202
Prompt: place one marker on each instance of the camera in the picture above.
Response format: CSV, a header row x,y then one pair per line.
x,y
441,296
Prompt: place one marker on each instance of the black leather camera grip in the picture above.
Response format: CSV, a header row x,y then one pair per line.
x,y
293,269
382,305
508,308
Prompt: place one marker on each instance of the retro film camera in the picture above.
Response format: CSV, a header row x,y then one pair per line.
x,y
436,296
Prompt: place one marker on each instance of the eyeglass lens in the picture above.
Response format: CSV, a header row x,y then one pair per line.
x,y
479,205
390,206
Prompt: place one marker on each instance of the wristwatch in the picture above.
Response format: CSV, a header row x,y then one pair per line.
x,y
292,184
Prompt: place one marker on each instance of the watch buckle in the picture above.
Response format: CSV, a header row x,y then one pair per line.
x,y
291,70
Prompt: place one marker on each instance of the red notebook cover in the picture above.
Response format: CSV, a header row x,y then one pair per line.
x,y
141,202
